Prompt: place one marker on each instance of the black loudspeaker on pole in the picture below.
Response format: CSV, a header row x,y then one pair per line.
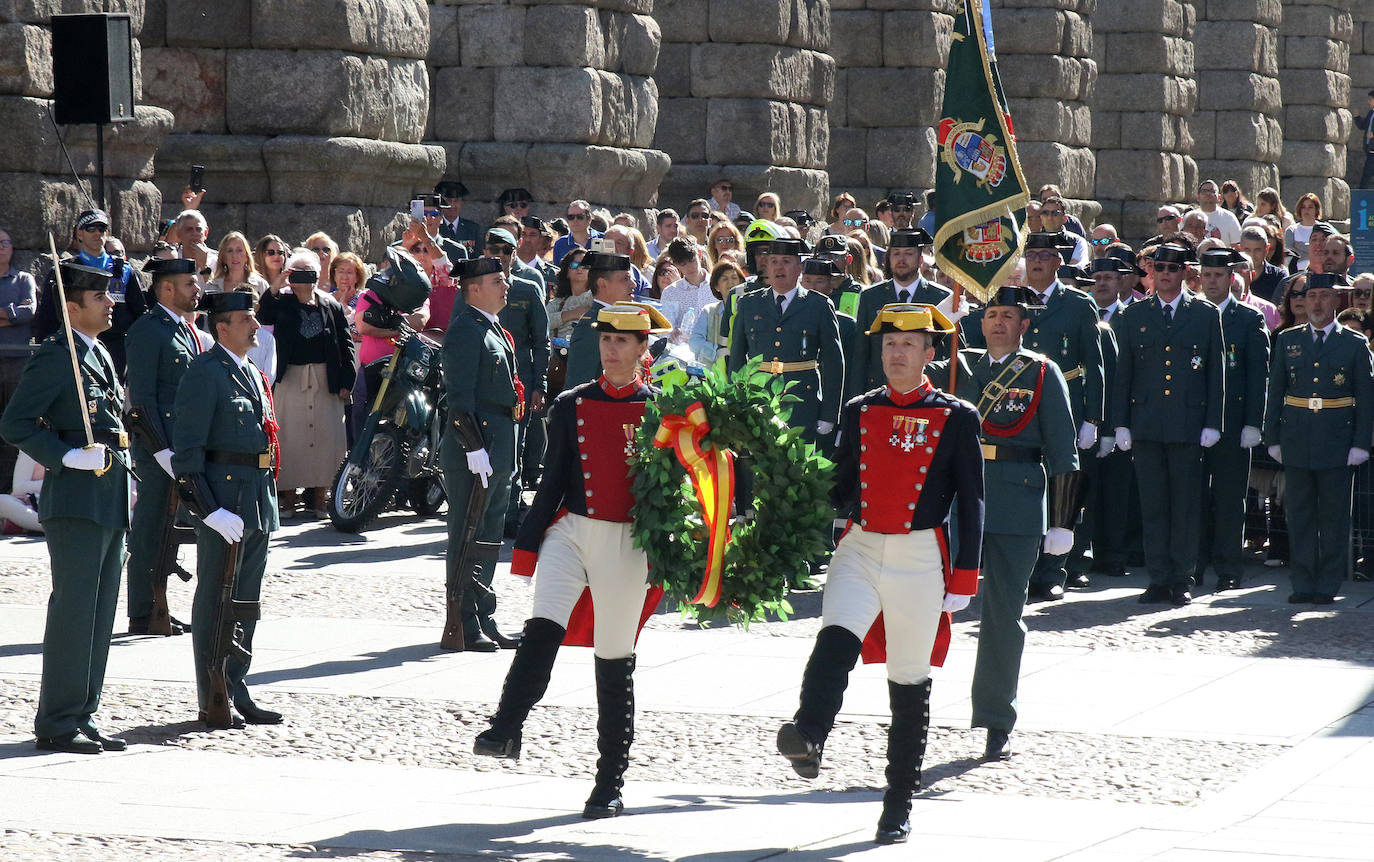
x,y
93,76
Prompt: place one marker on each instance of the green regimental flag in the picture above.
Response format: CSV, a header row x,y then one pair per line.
x,y
979,185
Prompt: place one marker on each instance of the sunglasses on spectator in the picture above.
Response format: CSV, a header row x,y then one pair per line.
x,y
725,240
1168,267
855,222
768,204
696,215
499,248
96,228
578,216
574,264
1356,292
1042,255
1052,213
431,213
1163,219
5,243
274,252
1106,240
903,209
726,187
321,249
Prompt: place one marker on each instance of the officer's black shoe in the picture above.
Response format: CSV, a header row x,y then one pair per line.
x,y
1180,596
139,626
604,802
503,641
800,751
1323,599
894,825
512,528
998,746
1300,599
67,743
1224,583
1155,594
236,722
254,714
108,743
489,743
1079,581
478,642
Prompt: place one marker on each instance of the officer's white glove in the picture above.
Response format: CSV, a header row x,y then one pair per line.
x,y
1356,457
1058,541
1210,436
1105,444
164,460
1087,435
947,308
823,427
1274,452
85,458
1249,437
954,603
1123,439
479,464
226,523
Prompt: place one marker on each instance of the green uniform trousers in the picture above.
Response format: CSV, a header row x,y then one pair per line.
x,y
145,530
1007,564
1170,479
1317,505
479,604
1226,474
210,553
87,560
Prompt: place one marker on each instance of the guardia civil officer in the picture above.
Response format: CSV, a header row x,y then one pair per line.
x,y
609,280
1168,405
1028,434
1226,466
484,403
224,446
907,454
159,347
84,507
588,551
1318,423
904,252
454,227
798,336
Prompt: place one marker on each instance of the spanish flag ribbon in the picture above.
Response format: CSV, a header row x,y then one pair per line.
x,y
712,471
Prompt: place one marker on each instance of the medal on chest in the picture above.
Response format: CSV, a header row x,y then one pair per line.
x,y
908,432
629,428
1231,357
1339,379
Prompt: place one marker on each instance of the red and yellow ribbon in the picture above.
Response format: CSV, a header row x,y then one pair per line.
x,y
712,471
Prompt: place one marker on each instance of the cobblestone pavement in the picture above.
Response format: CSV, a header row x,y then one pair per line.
x,y
27,846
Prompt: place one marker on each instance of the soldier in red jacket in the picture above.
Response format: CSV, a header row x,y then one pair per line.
x,y
579,531
906,453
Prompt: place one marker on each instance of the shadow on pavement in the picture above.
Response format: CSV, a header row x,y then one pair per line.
x,y
9,650
394,657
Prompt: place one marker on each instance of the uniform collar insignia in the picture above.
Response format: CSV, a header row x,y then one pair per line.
x,y
906,399
620,392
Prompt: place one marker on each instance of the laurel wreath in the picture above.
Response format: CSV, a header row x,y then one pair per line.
x,y
790,516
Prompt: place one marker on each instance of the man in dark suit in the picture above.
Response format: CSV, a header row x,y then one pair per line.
x,y
1319,430
1226,466
454,227
84,507
1167,407
1366,124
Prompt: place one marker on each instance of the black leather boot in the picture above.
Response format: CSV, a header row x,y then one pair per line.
x,y
826,676
615,730
525,685
906,748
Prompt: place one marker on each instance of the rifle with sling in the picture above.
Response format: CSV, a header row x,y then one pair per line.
x,y
172,537
461,575
226,642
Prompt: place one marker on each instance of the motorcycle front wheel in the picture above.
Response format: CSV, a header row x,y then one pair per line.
x,y
426,495
362,492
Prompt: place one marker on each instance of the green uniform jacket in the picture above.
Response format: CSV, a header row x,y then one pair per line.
x,y
1015,491
868,354
526,319
468,235
1170,381
44,405
1245,344
158,351
479,367
807,330
584,349
221,408
1340,368
1065,330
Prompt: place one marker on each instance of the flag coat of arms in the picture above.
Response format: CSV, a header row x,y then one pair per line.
x,y
979,185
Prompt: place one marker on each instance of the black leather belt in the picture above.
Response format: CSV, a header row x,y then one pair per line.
x,y
112,439
1010,453
261,460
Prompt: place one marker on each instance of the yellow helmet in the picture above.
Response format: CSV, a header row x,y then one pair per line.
x,y
762,230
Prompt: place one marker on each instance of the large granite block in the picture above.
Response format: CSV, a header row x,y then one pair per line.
x,y
464,103
189,82
681,130
391,28
762,72
887,97
913,39
562,36
491,35
234,168
901,158
353,171
568,103
210,23
25,60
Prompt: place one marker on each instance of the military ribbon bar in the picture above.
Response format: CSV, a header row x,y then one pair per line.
x,y
712,473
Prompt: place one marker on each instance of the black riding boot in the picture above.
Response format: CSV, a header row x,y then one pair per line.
x,y
906,748
525,685
615,730
822,694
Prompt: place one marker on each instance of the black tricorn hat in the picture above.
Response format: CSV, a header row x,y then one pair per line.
x,y
786,245
78,277
476,267
1333,280
220,303
912,238
603,260
1128,255
1042,239
1108,264
1013,294
1223,257
512,195
1171,253
820,266
450,189
170,266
